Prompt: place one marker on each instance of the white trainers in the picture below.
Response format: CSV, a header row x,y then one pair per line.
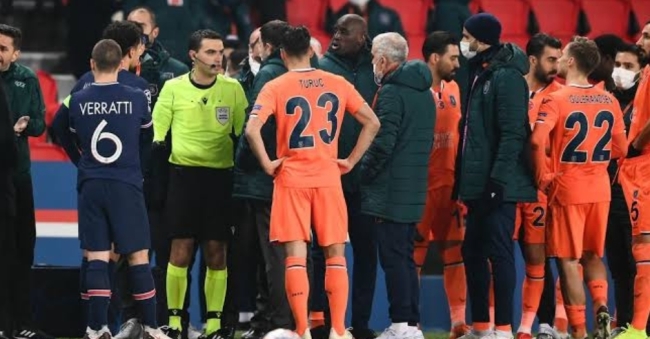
x,y
193,333
346,335
306,335
131,329
395,331
103,333
154,333
415,333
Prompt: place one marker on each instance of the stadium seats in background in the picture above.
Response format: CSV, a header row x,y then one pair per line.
x,y
608,17
413,13
514,16
310,13
642,10
557,17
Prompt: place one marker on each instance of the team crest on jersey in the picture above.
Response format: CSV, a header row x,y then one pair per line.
x,y
223,114
452,100
167,75
486,87
153,89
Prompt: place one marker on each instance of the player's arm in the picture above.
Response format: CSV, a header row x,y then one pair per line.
x,y
643,138
511,118
36,112
146,131
262,109
619,139
239,113
545,123
389,112
63,131
162,114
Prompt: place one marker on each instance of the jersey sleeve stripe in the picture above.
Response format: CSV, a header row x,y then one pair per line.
x,y
147,125
73,130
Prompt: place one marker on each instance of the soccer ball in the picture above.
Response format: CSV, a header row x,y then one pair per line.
x,y
282,333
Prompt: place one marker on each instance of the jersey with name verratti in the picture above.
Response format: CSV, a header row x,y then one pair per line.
x,y
107,119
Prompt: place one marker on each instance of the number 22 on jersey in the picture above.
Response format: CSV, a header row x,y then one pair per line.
x,y
578,121
298,139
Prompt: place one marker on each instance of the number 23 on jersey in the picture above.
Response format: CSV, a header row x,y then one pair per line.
x,y
300,136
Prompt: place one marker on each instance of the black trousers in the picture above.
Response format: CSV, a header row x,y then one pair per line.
x,y
272,307
17,241
488,239
395,242
622,266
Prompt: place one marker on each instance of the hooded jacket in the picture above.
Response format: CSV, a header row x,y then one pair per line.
x,y
495,131
394,170
359,73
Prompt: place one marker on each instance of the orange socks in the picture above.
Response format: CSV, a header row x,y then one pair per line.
x,y
297,287
420,254
561,320
577,320
316,319
531,295
491,301
337,286
455,284
641,285
598,290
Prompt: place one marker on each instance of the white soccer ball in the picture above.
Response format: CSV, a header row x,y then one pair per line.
x,y
282,333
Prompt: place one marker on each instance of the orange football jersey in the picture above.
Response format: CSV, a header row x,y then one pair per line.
x,y
536,100
308,106
445,142
641,110
581,121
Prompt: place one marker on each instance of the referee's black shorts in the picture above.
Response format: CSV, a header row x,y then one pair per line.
x,y
199,203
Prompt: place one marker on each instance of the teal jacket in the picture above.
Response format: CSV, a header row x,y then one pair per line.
x,y
157,67
394,169
25,99
495,144
359,73
250,181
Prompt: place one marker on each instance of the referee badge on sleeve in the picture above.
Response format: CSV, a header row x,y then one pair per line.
x,y
223,115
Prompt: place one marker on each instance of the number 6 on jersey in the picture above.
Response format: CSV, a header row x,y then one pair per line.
x,y
98,135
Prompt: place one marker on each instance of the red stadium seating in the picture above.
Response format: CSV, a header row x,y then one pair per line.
x,y
335,5
557,17
310,13
642,10
413,14
607,16
415,46
513,15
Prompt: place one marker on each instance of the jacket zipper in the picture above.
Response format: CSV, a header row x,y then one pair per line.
x,y
465,129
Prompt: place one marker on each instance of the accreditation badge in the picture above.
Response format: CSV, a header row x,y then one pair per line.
x,y
223,115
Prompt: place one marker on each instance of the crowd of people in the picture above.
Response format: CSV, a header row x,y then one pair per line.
x,y
271,169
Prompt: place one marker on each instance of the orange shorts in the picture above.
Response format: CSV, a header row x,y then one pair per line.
x,y
574,229
532,217
296,209
634,176
442,217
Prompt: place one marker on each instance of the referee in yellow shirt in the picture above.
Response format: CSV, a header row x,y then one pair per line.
x,y
205,112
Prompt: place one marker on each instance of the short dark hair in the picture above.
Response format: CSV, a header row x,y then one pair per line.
x,y
272,32
148,10
127,34
438,42
635,50
14,33
107,55
198,36
536,44
238,55
609,45
586,54
296,41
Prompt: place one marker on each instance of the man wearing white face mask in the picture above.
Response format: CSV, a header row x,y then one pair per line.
x,y
618,244
492,170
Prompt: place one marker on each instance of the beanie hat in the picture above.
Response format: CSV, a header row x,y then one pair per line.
x,y
485,27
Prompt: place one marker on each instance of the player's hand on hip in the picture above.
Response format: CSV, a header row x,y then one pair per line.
x,y
345,165
272,168
21,124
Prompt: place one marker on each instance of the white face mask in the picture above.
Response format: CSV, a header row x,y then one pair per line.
x,y
377,77
359,2
255,66
624,78
464,49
